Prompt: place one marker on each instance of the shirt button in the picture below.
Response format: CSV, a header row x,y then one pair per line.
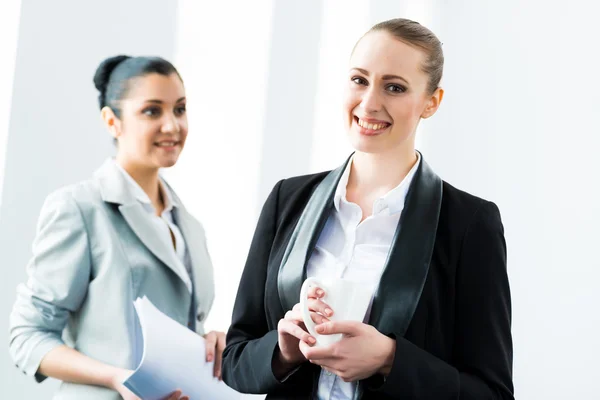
x,y
328,373
200,316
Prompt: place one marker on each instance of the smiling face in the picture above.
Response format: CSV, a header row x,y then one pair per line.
x,y
387,94
152,127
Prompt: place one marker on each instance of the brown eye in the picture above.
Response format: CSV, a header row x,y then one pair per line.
x,y
151,111
359,81
180,110
395,88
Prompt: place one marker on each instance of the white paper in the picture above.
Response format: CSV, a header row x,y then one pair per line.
x,y
173,357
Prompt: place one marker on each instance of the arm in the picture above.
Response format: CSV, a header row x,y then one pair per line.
x,y
59,273
248,355
69,365
482,361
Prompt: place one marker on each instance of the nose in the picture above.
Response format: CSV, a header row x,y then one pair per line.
x,y
170,124
371,101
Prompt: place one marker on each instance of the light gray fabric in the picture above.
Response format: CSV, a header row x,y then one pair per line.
x,y
93,255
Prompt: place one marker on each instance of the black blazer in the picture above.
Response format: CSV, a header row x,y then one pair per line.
x,y
444,294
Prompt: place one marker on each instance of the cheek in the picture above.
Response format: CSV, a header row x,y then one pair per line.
x,y
183,126
183,130
408,110
351,100
142,137
349,106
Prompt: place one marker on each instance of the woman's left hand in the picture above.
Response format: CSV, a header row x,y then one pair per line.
x,y
215,343
362,352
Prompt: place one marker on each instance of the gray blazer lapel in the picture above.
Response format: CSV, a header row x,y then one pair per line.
x,y
114,189
137,218
202,271
304,238
407,266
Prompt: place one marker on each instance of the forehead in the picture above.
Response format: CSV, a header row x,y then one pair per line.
x,y
156,86
380,53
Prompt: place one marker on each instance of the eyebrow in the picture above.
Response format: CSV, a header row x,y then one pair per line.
x,y
384,77
155,101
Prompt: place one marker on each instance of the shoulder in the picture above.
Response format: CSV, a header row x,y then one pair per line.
x,y
463,202
289,197
295,192
467,212
82,196
299,185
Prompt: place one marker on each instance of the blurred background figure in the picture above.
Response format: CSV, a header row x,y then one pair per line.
x,y
264,79
106,241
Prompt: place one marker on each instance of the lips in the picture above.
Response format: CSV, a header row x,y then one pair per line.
x,y
371,126
166,143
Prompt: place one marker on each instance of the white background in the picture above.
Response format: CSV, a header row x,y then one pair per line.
x,y
519,125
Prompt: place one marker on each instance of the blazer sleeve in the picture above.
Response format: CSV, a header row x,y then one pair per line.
x,y
250,344
58,276
481,367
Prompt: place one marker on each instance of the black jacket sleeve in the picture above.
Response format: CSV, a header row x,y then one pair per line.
x,y
250,343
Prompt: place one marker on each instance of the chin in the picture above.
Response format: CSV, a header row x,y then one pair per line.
x,y
167,162
366,145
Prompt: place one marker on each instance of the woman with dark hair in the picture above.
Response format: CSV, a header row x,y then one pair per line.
x,y
120,235
438,324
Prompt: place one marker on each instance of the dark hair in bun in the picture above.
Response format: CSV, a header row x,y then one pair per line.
x,y
114,74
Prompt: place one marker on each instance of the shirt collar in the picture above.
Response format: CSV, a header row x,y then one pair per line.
x,y
142,197
393,200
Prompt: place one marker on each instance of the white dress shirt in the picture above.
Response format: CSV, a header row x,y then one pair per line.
x,y
356,251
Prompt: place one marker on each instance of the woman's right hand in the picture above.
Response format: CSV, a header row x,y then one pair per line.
x,y
291,328
122,375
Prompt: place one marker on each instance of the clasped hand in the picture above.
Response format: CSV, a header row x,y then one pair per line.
x,y
362,352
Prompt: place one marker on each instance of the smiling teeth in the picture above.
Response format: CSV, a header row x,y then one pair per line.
x,y
373,127
166,144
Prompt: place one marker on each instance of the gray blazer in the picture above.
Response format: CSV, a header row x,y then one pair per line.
x,y
93,255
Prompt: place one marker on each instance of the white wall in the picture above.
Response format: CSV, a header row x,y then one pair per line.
x,y
55,134
519,126
9,26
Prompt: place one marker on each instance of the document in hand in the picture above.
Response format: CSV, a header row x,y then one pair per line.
x,y
173,358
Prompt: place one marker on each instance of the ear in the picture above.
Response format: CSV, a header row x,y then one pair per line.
x,y
111,121
433,103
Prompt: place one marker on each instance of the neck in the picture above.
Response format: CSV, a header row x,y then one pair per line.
x,y
147,178
380,173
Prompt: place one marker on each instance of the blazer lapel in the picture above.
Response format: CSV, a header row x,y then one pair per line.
x,y
195,240
114,189
304,239
137,218
408,262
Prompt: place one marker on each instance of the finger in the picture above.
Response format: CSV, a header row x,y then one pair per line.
x,y
211,344
320,307
297,316
320,354
318,318
185,398
175,395
352,328
304,348
221,342
294,330
315,292
219,357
